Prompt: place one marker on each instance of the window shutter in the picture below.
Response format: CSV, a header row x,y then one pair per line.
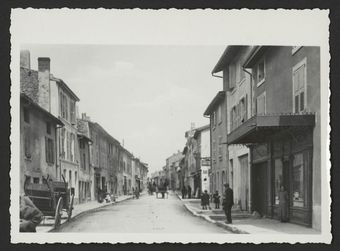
x,y
46,150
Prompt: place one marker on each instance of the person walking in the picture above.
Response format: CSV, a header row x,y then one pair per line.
x,y
184,191
216,198
205,200
228,202
283,205
189,192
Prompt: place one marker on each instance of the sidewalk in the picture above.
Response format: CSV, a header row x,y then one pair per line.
x,y
48,223
244,222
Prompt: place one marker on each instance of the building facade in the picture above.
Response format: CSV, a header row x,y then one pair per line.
x,y
237,85
171,169
283,133
217,113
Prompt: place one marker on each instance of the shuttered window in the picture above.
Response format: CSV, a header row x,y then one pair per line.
x,y
299,87
49,147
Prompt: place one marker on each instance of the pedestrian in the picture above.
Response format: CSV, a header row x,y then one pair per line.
x,y
189,192
137,192
228,202
206,197
216,198
283,205
184,191
30,215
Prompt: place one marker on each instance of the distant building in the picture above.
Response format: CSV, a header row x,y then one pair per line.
x,y
172,167
217,112
196,162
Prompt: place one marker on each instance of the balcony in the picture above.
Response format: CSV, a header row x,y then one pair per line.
x,y
258,128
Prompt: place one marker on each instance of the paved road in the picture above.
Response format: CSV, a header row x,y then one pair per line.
x,y
145,215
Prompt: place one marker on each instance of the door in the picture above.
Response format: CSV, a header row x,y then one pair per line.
x,y
259,188
244,182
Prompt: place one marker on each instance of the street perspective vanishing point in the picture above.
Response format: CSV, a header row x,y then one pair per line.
x,y
252,167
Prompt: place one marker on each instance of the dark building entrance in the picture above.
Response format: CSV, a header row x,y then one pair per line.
x,y
259,188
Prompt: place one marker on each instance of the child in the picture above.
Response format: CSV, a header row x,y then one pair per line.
x,y
217,200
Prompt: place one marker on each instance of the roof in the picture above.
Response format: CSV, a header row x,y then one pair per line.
x,y
62,84
34,105
100,128
217,100
29,83
254,55
226,57
200,129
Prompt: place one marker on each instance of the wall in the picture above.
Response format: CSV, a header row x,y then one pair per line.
x,y
36,165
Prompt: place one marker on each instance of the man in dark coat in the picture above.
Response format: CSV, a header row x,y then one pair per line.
x,y
228,202
189,192
283,204
184,192
30,215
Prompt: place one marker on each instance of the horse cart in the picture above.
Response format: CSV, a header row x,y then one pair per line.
x,y
51,198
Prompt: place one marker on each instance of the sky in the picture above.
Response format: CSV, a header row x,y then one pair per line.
x,y
146,96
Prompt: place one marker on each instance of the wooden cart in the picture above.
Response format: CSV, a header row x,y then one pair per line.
x,y
51,198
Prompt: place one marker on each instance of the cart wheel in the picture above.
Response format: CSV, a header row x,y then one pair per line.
x,y
58,212
70,208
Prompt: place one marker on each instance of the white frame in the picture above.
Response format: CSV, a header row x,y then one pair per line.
x,y
295,67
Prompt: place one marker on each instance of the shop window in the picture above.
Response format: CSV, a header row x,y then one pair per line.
x,y
278,179
36,180
298,181
299,87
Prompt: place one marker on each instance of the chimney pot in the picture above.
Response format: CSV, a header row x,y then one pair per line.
x,y
44,64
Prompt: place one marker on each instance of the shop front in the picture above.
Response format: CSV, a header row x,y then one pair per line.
x,y
281,150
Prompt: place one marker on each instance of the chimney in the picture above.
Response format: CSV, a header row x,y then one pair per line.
x,y
25,59
44,83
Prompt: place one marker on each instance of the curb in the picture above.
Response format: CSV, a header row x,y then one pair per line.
x,y
228,227
86,212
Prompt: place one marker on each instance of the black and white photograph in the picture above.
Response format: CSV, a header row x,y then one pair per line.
x,y
170,126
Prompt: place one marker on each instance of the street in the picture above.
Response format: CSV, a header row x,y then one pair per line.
x,y
145,215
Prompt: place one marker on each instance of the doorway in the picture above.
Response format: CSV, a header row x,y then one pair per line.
x,y
259,188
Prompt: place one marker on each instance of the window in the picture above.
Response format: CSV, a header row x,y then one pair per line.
x,y
68,146
261,73
261,104
49,150
70,178
62,143
233,118
243,104
63,105
36,180
299,87
298,181
278,179
72,146
219,114
48,127
26,115
232,76
72,112
84,161
220,147
214,119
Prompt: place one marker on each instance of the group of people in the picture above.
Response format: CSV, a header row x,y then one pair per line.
x,y
135,193
228,201
186,192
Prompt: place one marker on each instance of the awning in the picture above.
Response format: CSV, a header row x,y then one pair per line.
x,y
258,128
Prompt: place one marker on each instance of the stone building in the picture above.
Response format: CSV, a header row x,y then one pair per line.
x,y
283,131
237,85
171,169
57,98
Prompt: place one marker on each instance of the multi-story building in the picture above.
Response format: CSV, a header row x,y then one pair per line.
x,y
217,112
126,167
283,133
38,138
172,167
144,169
237,85
196,163
86,190
57,98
